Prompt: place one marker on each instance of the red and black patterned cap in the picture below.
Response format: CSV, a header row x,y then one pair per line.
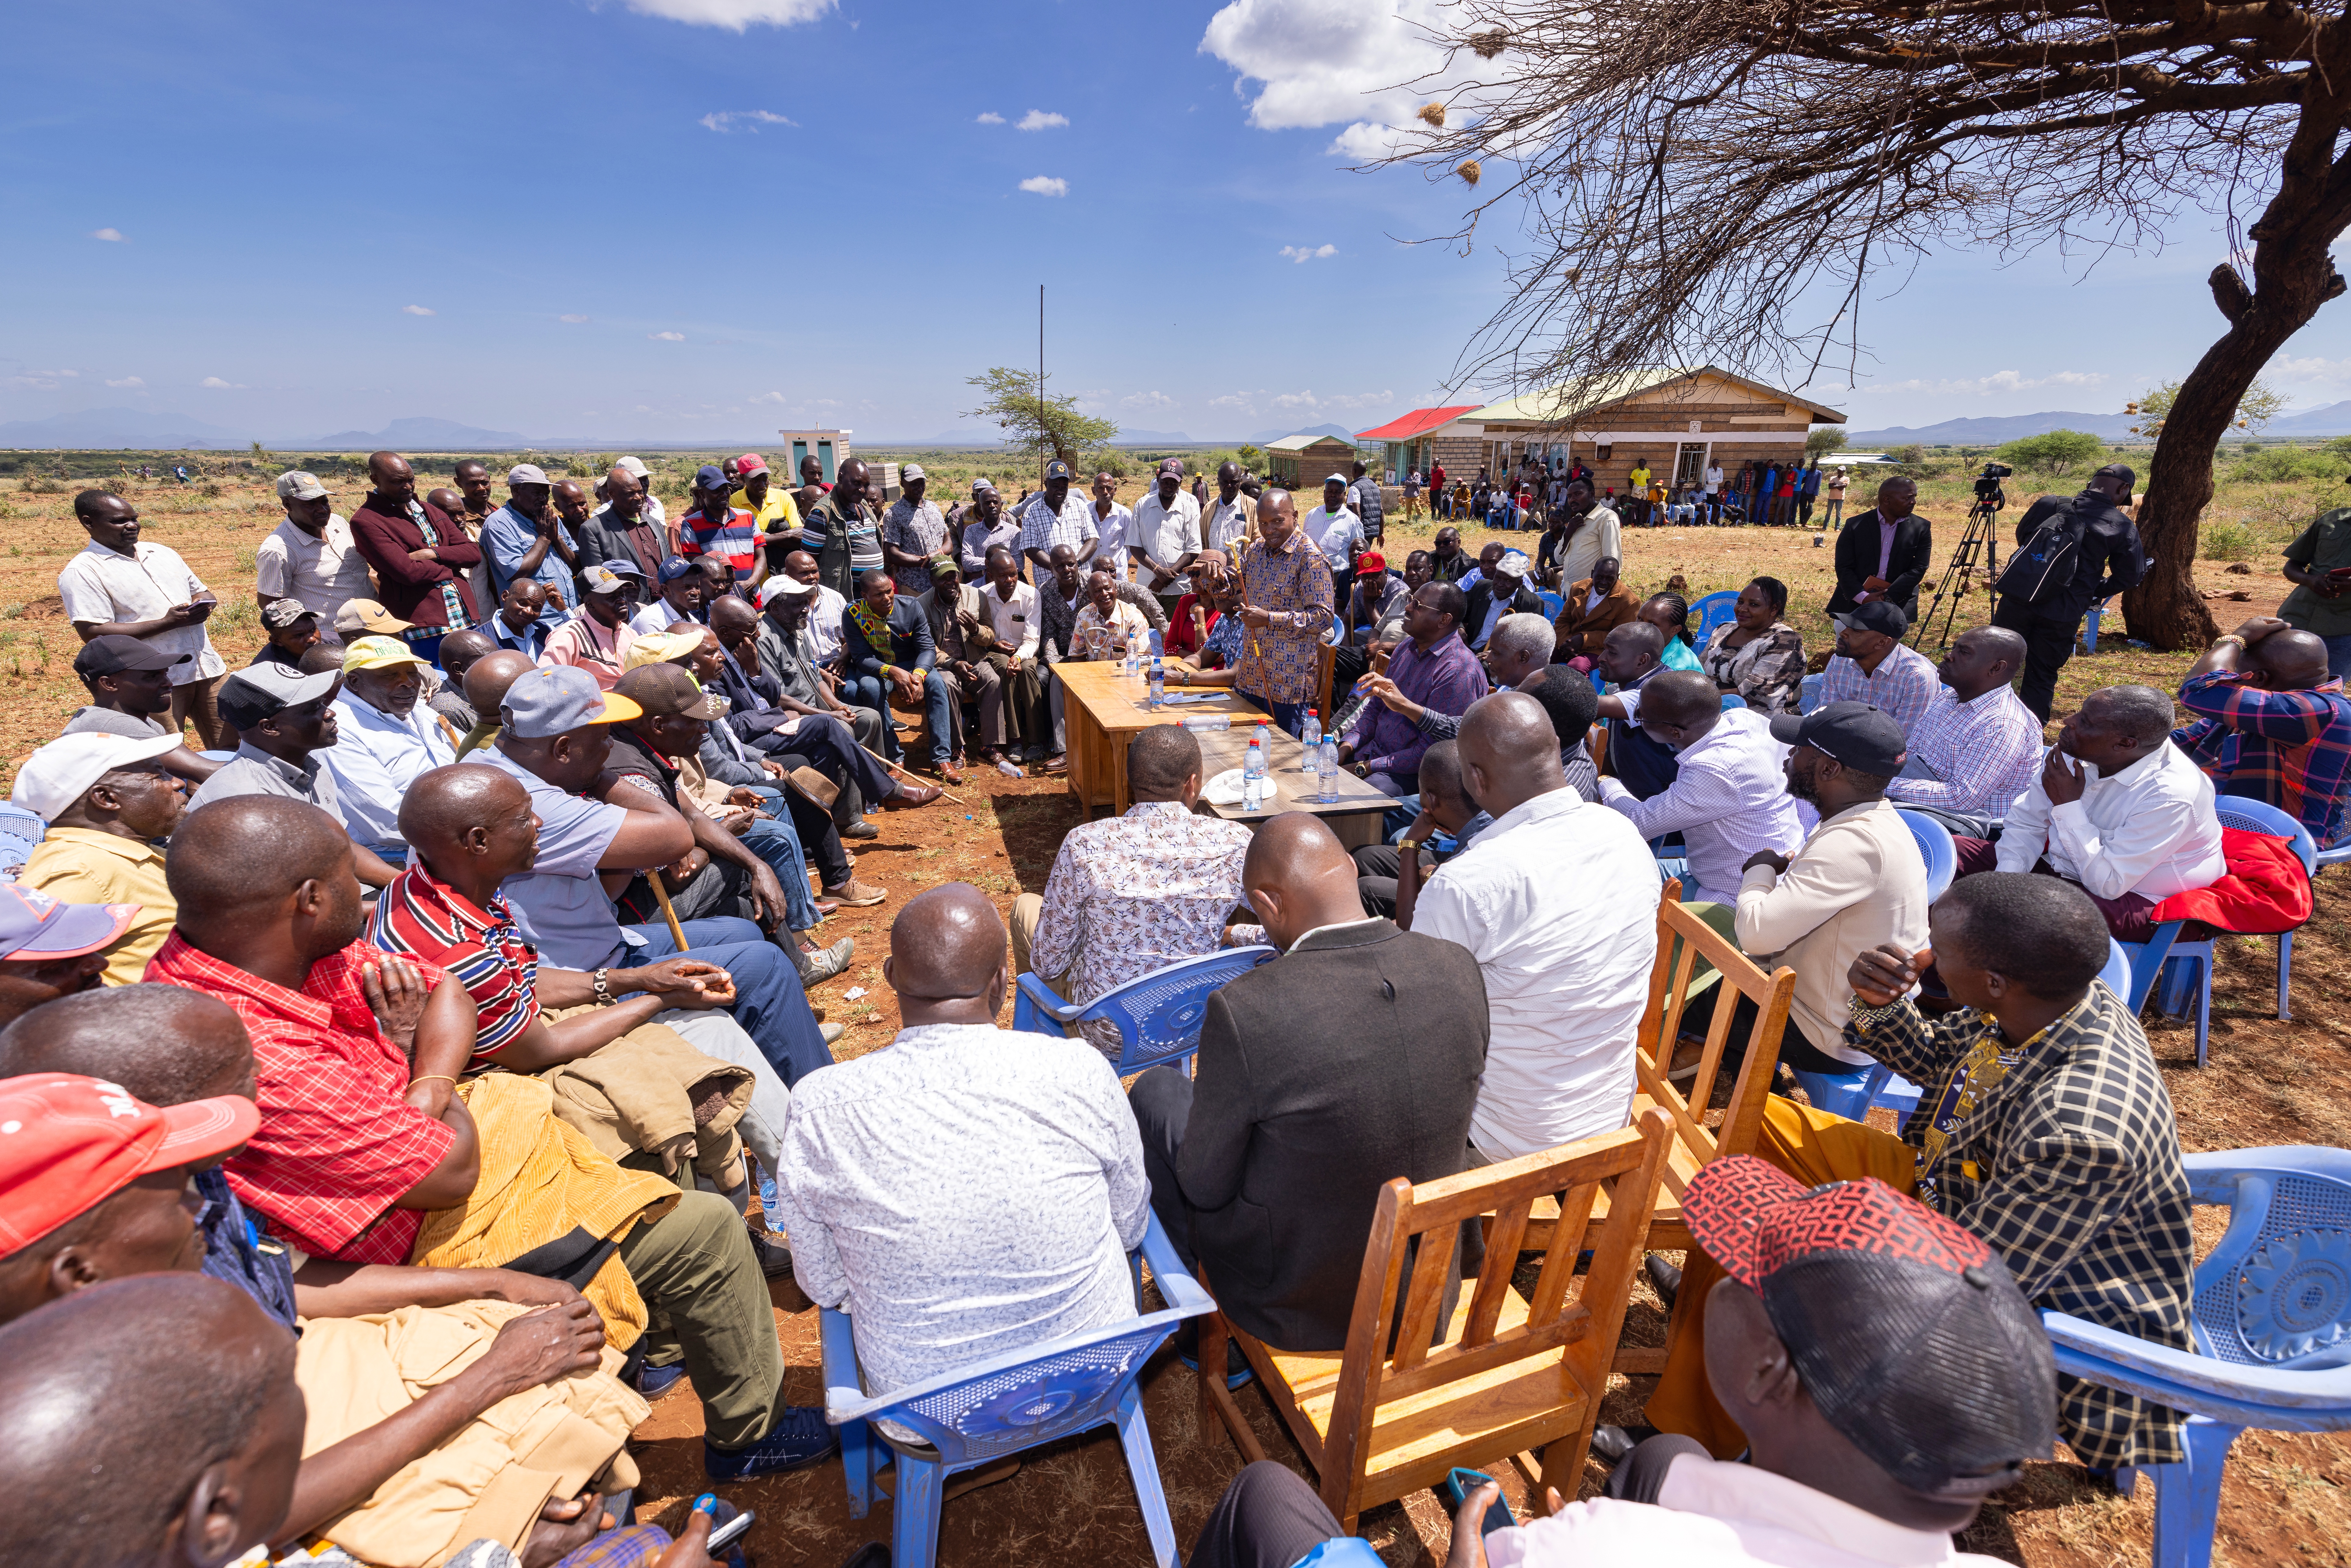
x,y
1908,1331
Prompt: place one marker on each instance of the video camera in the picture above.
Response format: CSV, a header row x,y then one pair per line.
x,y
1989,494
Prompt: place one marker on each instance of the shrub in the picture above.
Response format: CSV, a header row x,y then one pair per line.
x,y
1909,455
2286,464
2053,451
2225,541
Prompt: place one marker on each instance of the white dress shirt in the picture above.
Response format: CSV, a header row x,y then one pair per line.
x,y
824,625
1332,532
656,616
103,586
1115,532
1729,799
1167,533
323,573
1970,759
1227,522
1003,1223
375,758
1558,903
1014,620
2149,829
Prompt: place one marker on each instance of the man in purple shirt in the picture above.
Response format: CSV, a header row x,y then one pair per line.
x,y
1435,669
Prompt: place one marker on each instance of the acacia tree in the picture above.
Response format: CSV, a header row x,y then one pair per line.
x,y
1033,420
1725,180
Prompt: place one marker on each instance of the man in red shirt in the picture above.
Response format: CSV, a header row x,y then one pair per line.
x,y
715,526
356,1059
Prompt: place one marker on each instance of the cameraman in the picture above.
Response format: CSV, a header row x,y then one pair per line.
x,y
2069,553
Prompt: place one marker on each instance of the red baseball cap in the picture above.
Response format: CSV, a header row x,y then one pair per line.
x,y
750,463
69,1142
1370,562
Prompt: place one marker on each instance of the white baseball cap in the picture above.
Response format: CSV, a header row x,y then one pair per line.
x,y
790,588
630,465
296,485
61,772
526,474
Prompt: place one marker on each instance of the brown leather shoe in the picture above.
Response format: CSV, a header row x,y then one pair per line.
x,y
946,770
1057,763
857,894
910,794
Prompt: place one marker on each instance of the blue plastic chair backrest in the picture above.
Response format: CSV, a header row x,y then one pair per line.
x,y
1731,700
2248,816
2117,972
1709,612
1035,1403
1808,692
1158,1015
2272,1292
1935,846
1554,604
20,830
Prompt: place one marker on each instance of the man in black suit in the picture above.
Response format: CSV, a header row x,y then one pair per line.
x,y
1504,592
1883,552
1352,1059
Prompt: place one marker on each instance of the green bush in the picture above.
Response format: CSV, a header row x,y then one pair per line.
x,y
2225,541
2286,464
2052,452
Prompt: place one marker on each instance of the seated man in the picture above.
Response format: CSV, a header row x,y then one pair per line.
x,y
1566,695
557,740
488,680
1517,657
130,683
597,638
1856,882
1595,607
1874,665
1978,747
458,654
1630,658
1135,892
385,739
964,636
683,593
936,1244
1351,1060
887,650
1431,671
1558,903
108,801
2272,724
363,1134
1502,591
1729,798
2129,820
291,628
284,717
1445,807
522,621
1107,625
2056,1147
1006,606
50,950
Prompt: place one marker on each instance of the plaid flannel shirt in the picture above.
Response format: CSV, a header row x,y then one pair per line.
x,y
2296,746
2063,1156
338,1147
1902,686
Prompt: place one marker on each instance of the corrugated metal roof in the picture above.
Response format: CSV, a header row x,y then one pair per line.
x,y
1300,442
1559,404
1419,421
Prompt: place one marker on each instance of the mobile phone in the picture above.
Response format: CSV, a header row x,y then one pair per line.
x,y
2338,572
1460,1483
728,1533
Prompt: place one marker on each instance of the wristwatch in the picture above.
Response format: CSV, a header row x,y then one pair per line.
x,y
601,980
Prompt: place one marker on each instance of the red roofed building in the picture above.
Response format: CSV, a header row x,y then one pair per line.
x,y
1427,435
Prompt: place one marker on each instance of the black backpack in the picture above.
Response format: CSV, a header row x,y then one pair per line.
x,y
2042,568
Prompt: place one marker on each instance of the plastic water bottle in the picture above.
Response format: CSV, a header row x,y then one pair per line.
x,y
1253,772
1158,686
1206,723
1312,736
1326,772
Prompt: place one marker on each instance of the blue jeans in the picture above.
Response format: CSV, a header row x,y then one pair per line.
x,y
775,841
2338,656
769,1001
1290,717
873,692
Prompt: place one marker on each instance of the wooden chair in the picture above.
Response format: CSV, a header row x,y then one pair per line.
x,y
1327,661
1682,940
1510,1375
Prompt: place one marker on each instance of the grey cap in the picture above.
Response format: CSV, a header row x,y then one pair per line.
x,y
280,613
294,485
558,700
257,691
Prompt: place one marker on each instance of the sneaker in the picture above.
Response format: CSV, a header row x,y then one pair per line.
x,y
652,1382
824,965
799,1438
831,1032
856,894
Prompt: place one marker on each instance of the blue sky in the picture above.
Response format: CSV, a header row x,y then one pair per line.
x,y
706,219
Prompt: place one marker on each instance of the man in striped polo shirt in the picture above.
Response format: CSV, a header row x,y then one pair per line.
x,y
718,528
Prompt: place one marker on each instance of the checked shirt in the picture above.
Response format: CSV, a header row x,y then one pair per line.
x,y
2295,745
2063,1156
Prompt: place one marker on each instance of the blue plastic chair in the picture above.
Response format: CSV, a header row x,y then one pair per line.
x,y
2090,625
20,830
1158,1015
1936,848
2261,817
2272,1325
979,1413
1554,604
1713,611
1808,692
1731,700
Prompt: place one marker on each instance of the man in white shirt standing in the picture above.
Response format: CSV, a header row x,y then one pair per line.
x,y
2129,819
1163,535
1558,903
1113,526
312,556
1978,745
1227,521
1334,530
119,587
1729,796
1710,488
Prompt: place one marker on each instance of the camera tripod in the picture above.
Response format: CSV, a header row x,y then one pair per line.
x,y
1979,537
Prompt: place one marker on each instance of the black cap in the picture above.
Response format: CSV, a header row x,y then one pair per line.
x,y
111,655
2121,471
1854,734
1057,469
1875,615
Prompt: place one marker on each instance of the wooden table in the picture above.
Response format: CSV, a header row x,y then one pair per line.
x,y
1354,816
1103,710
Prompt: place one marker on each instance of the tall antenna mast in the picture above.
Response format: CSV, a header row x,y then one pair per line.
x,y
1041,386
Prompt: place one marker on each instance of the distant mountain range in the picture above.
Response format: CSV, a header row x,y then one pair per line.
x,y
1341,431
415,436
106,428
2334,419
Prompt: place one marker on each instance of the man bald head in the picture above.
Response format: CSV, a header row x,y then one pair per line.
x,y
492,674
1298,877
947,957
156,1421
261,880
1509,753
446,805
461,651
391,477
1277,517
166,1044
2289,660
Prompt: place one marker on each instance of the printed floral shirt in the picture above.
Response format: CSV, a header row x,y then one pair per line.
x,y
1282,663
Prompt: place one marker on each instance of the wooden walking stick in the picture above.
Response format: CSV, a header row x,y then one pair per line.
x,y
895,768
669,911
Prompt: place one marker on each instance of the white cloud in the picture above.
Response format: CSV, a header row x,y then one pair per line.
x,y
2311,372
113,237
1365,65
417,310
989,117
1307,253
775,397
1301,403
666,336
1148,402
734,16
1998,382
750,119
1046,186
128,382
214,383
1041,120
573,321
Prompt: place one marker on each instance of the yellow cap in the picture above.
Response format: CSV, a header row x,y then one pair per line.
x,y
661,647
375,653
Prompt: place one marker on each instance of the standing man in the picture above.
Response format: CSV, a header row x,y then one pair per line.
x,y
914,535
1163,535
841,526
1808,485
2069,552
1334,530
2321,602
812,489
310,555
525,537
620,530
1834,488
1636,492
717,529
1883,553
571,499
774,520
1229,523
1710,488
986,528
1286,605
1365,493
419,552
473,481
119,587
1591,532
654,512
1113,526
1050,518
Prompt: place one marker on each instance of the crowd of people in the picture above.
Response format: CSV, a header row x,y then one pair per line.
x,y
1758,492
445,1004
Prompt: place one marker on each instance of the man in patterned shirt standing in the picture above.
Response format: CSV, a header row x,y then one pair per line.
x,y
1286,606
914,535
2045,1130
1050,518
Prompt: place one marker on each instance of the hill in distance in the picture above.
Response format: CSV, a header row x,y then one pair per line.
x,y
422,434
2317,423
1341,431
107,428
